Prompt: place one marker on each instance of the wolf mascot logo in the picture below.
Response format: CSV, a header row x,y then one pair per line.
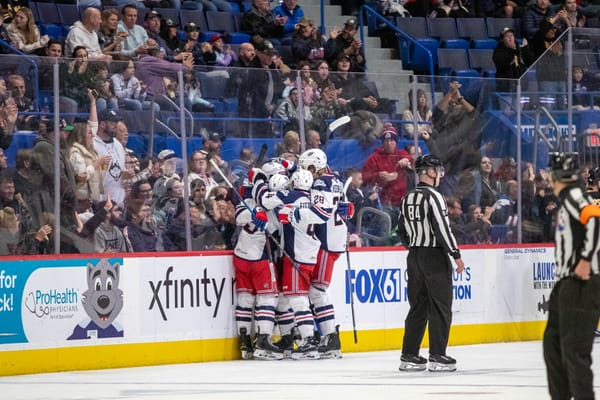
x,y
102,302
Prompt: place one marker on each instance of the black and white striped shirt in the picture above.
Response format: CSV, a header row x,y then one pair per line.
x,y
577,232
424,220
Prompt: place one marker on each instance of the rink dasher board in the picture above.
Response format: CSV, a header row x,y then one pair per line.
x,y
179,307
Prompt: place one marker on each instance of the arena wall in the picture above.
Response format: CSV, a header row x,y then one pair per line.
x,y
179,307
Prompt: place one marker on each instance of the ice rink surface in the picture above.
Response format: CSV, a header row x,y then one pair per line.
x,y
491,371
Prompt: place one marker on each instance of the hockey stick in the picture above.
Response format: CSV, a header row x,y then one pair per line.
x,y
241,199
349,270
337,123
261,155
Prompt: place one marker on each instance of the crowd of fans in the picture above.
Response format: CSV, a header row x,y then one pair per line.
x,y
110,200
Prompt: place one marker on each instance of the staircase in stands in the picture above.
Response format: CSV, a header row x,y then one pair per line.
x,y
382,68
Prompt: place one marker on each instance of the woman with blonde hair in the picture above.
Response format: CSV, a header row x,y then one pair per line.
x,y
24,34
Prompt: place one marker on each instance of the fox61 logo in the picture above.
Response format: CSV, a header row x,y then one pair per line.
x,y
374,285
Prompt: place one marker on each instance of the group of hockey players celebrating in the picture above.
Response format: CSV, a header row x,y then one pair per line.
x,y
293,219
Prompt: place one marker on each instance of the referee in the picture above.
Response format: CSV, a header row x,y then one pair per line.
x,y
575,299
425,229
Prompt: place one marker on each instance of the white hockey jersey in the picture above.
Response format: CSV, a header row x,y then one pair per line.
x,y
251,241
325,193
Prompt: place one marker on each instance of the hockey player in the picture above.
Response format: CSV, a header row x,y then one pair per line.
x,y
298,216
256,285
327,194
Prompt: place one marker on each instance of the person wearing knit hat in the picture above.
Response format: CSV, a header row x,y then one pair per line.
x,y
387,168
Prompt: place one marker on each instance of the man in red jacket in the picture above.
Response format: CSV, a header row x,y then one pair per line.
x,y
388,168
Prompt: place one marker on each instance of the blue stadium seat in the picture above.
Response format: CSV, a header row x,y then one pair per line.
x,y
21,140
137,143
481,60
495,25
68,13
475,30
442,28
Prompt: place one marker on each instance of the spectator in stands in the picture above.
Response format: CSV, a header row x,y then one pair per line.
x,y
106,145
213,143
478,185
109,237
198,170
507,171
157,73
307,43
192,45
474,214
288,111
88,166
152,20
169,32
42,175
136,42
309,84
192,91
198,194
10,232
53,54
22,173
289,147
504,8
505,210
167,161
294,14
260,20
102,85
16,84
387,168
9,197
173,193
344,43
23,34
551,70
222,211
8,118
353,89
108,38
130,91
360,195
532,223
452,9
511,60
138,220
422,118
241,86
456,135
76,77
313,139
574,14
220,53
84,33
330,105
266,85
534,15
582,84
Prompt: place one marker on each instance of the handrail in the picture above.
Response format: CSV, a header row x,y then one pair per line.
x,y
178,109
35,83
371,11
323,30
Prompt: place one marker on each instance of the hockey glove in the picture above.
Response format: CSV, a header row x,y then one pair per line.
x,y
289,214
260,219
256,175
289,166
346,209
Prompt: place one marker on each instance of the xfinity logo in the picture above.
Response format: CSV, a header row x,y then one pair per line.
x,y
188,292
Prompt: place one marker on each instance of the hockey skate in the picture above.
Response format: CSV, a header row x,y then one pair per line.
x,y
286,345
330,346
410,362
307,350
441,363
245,345
265,350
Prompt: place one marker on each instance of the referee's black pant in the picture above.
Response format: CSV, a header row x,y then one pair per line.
x,y
430,297
569,337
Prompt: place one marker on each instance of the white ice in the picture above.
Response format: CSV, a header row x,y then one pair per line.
x,y
489,371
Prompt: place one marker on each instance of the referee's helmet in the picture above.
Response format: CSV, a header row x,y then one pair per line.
x,y
564,167
427,161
